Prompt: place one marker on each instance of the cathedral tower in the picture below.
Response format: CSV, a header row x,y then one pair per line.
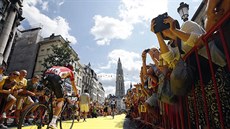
x,y
120,88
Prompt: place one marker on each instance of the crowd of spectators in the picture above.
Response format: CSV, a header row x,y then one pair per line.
x,y
18,93
151,102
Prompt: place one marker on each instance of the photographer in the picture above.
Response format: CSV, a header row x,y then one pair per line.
x,y
155,58
190,36
150,83
168,52
185,39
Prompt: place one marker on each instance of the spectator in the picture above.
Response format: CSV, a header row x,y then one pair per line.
x,y
113,104
33,86
2,69
77,103
189,34
106,106
215,10
84,104
8,94
94,113
151,80
23,96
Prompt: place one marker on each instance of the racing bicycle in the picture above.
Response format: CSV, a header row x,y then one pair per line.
x,y
40,114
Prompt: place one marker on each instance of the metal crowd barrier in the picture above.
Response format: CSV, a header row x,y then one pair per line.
x,y
178,116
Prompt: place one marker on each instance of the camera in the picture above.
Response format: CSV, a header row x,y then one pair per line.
x,y
159,21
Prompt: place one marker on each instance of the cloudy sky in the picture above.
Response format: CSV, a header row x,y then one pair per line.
x,y
101,31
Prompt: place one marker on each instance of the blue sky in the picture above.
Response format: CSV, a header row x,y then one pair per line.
x,y
101,31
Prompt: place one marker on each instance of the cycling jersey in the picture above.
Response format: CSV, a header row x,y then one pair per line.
x,y
61,71
55,76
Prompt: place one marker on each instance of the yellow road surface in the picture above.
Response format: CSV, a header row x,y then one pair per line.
x,y
97,123
101,123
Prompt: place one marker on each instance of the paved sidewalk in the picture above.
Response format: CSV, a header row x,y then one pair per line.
x,y
135,124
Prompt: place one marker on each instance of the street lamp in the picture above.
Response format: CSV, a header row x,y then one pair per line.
x,y
183,11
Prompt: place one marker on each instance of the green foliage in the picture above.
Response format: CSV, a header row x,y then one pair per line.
x,y
61,56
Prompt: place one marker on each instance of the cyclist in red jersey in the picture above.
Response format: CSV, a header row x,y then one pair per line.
x,y
53,77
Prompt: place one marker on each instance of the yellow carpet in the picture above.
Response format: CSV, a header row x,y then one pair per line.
x,y
97,123
101,123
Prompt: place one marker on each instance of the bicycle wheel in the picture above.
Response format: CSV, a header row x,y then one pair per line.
x,y
67,117
37,114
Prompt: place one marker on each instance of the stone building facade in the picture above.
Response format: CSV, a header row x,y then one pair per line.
x,y
91,83
24,51
45,49
10,18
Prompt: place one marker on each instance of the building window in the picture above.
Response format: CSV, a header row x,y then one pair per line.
x,y
2,6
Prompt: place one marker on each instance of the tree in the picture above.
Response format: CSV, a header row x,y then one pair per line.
x,y
61,56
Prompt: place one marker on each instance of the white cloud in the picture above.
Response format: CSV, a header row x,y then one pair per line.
x,y
103,41
57,25
33,2
20,27
196,0
45,5
131,12
109,83
130,60
135,11
109,90
108,80
107,28
131,64
108,66
61,3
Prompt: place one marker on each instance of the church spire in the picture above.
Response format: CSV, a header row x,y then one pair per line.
x,y
120,88
119,65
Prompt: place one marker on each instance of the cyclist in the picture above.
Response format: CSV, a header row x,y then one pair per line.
x,y
53,79
113,106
